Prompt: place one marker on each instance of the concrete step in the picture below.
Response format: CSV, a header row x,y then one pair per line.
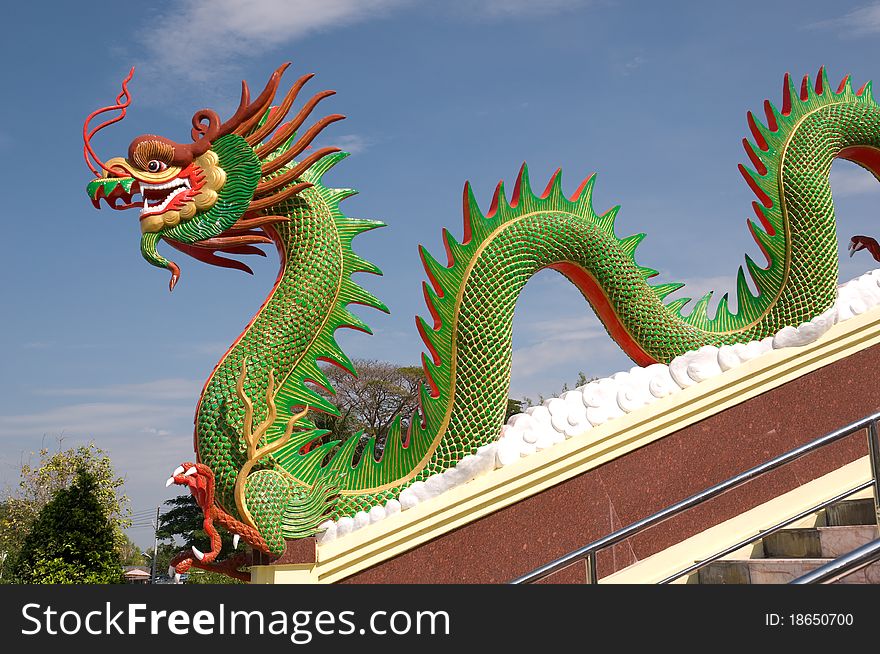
x,y
851,512
817,542
776,571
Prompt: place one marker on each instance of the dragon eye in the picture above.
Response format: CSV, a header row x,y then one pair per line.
x,y
156,166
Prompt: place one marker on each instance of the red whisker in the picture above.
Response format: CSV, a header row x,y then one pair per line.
x,y
88,135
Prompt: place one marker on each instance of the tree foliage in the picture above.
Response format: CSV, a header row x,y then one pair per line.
x,y
72,540
39,482
129,552
370,402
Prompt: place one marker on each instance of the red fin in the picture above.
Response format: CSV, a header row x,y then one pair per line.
x,y
493,207
550,184
786,95
753,127
580,189
209,257
756,162
466,212
771,116
757,190
517,187
759,212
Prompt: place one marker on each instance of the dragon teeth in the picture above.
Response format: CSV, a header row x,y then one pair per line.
x,y
158,187
182,184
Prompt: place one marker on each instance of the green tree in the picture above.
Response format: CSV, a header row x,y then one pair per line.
x,y
72,540
514,407
130,553
39,482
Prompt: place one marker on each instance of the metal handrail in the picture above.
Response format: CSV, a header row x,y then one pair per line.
x,y
589,552
767,532
842,566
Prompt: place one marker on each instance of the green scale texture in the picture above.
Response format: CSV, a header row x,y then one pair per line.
x,y
473,298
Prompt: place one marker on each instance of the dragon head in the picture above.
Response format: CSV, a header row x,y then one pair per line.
x,y
214,193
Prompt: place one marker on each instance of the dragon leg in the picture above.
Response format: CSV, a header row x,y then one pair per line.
x,y
200,480
267,493
265,497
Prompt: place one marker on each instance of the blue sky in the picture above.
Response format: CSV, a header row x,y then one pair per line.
x,y
651,96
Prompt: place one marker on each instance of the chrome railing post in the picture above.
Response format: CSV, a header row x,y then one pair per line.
x,y
874,456
592,569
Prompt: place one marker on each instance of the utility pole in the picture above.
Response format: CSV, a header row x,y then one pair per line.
x,y
155,549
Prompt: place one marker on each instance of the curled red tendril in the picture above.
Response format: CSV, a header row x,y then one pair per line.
x,y
122,101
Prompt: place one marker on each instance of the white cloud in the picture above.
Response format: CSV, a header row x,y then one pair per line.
x,y
522,8
201,36
634,64
852,181
38,345
561,348
858,22
352,143
158,408
159,389
97,419
155,432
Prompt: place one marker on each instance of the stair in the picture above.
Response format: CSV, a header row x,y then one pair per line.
x,y
789,553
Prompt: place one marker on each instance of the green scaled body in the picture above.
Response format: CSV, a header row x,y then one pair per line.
x,y
471,298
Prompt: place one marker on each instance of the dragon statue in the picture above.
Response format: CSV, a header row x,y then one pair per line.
x,y
263,470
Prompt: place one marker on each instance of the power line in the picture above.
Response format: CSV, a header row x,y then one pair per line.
x,y
149,512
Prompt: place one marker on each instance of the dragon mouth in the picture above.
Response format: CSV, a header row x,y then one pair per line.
x,y
155,199
117,192
159,198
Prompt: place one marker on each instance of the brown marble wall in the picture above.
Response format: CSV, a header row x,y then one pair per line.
x,y
530,533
